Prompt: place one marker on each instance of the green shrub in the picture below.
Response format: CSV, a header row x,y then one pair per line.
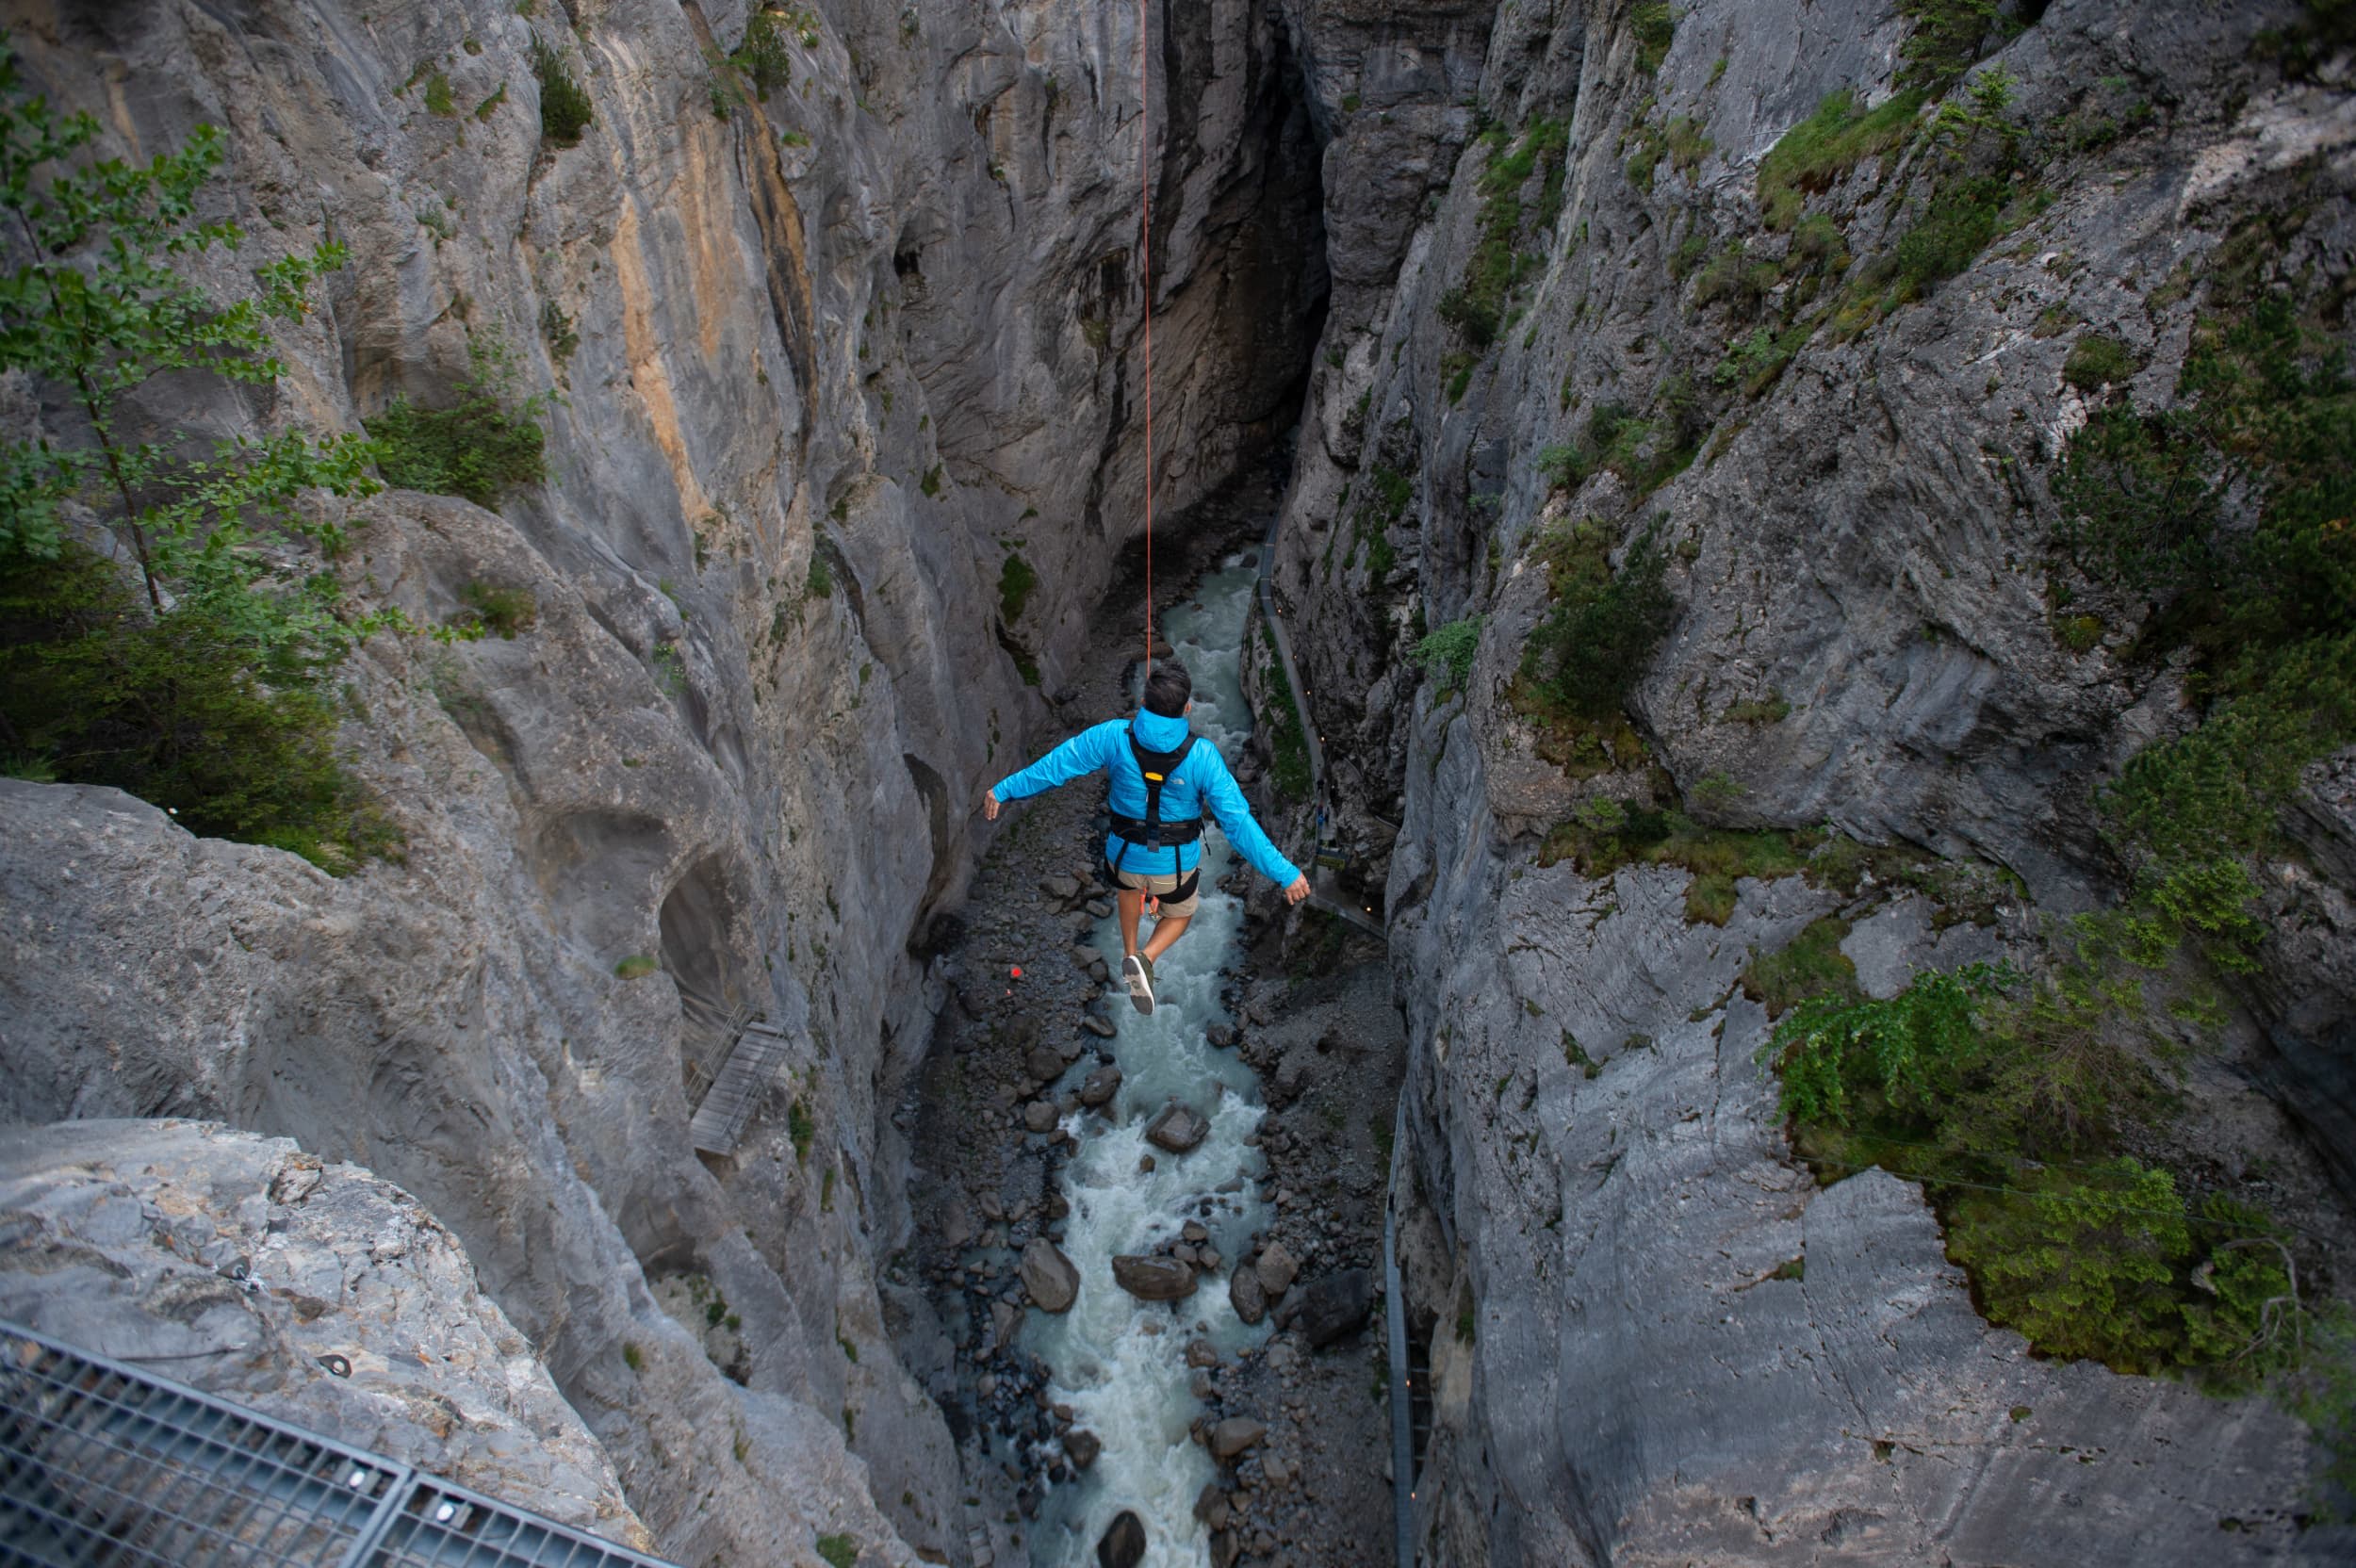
x,y
1768,710
1448,652
636,967
931,483
1949,37
819,583
1593,644
193,708
1288,743
1818,153
1475,320
195,673
2096,361
1811,966
503,611
437,98
2083,1261
800,1128
481,446
1655,26
762,57
840,1551
1014,581
1832,1050
565,111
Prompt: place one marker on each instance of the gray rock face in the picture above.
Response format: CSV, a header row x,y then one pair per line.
x,y
124,1237
1152,1279
1860,540
824,365
1053,1280
1177,1129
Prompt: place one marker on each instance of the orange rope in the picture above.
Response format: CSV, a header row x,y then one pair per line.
x,y
1145,253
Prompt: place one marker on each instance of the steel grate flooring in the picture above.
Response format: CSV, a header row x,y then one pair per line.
x,y
105,1466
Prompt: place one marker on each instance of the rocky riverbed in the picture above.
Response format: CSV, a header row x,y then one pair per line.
x,y
1279,1343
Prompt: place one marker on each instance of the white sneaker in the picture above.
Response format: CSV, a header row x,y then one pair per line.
x,y
1139,977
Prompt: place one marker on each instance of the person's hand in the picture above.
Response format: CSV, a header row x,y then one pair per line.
x,y
989,805
1299,890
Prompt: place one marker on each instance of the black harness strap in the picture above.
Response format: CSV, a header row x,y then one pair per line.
x,y
1149,832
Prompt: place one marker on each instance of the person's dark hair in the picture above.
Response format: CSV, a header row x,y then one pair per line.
x,y
1169,689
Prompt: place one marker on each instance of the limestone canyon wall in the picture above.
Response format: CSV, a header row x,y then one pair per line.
x,y
822,364
1654,1337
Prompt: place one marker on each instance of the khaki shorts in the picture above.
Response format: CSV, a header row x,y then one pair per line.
x,y
1160,887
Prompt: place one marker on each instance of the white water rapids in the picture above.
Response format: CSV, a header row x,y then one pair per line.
x,y
1126,1382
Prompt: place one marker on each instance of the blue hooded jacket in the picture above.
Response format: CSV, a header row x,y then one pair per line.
x,y
1201,780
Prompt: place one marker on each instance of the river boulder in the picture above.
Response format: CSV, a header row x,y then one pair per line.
x,y
1152,1279
1247,1294
1335,1306
1124,1543
1277,1270
1053,1280
1177,1129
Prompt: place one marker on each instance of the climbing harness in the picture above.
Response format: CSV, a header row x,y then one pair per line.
x,y
1149,832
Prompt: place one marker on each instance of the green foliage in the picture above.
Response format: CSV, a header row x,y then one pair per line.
x,y
840,1551
1447,653
800,1128
634,1357
503,611
558,329
2230,511
1768,710
194,675
636,967
819,583
1681,142
565,108
1288,743
1949,37
762,57
214,708
1830,1050
437,98
1811,965
1014,581
2083,1261
1645,454
1654,26
1818,153
1476,307
931,483
481,446
1593,644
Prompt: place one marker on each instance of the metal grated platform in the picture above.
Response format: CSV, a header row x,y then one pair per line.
x,y
751,1068
105,1466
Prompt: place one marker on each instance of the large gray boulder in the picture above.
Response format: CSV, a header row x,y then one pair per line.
x,y
1177,1128
1334,1306
1150,1279
1052,1278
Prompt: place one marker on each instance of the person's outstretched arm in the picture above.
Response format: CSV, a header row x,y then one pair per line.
x,y
1220,793
1083,754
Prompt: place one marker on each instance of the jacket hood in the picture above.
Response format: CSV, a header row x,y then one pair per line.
x,y
1158,732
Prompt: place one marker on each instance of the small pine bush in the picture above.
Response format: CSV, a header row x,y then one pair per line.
x,y
565,108
762,57
1589,652
1015,579
481,446
1448,652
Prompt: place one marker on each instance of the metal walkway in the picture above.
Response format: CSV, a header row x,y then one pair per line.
x,y
104,1467
751,1068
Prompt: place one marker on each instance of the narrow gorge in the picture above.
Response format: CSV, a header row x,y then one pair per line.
x,y
1784,565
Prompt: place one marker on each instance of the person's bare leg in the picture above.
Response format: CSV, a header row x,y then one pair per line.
x,y
1166,931
1131,906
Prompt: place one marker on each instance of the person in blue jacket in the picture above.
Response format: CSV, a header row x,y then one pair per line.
x,y
1161,782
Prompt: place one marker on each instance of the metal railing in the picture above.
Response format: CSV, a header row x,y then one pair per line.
x,y
103,1465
